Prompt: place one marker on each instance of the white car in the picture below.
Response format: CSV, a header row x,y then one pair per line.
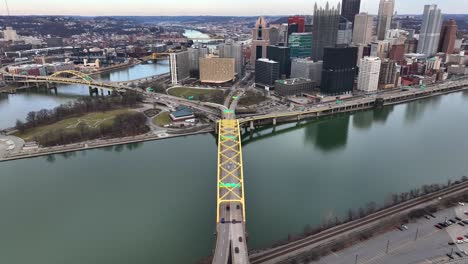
x,y
459,241
404,226
460,203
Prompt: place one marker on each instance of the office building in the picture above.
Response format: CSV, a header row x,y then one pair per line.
x,y
300,45
362,32
266,72
179,66
397,53
325,30
368,78
448,36
307,69
380,49
345,32
195,53
281,55
339,70
232,49
411,45
194,57
433,64
350,8
296,86
283,34
260,40
388,74
384,18
299,21
274,36
429,35
217,70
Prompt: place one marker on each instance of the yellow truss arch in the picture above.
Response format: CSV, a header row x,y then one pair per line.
x,y
78,74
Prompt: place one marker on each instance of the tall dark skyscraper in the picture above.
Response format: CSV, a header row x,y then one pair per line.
x,y
325,30
339,70
350,8
282,56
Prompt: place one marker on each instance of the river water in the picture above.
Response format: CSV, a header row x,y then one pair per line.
x,y
16,106
155,202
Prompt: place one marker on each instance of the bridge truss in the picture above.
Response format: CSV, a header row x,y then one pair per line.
x,y
230,166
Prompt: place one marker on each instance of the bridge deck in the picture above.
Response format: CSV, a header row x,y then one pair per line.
x,y
230,216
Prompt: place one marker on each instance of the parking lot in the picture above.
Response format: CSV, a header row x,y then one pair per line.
x,y
422,242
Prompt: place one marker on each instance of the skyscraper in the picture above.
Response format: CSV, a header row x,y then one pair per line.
x,y
384,19
429,35
448,36
300,45
260,40
350,8
232,49
325,30
345,32
362,31
281,55
299,21
179,65
368,79
339,70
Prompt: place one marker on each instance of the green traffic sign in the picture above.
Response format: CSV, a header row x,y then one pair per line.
x,y
228,111
235,97
190,97
229,185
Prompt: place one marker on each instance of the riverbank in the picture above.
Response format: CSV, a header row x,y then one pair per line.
x,y
98,144
342,236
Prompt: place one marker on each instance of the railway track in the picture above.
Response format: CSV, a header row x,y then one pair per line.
x,y
338,230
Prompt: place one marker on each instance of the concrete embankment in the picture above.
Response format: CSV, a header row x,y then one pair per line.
x,y
97,144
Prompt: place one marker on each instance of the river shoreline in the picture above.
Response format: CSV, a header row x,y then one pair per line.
x,y
151,137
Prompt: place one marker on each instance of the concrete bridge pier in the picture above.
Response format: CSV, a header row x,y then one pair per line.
x,y
252,125
54,88
298,117
102,92
274,121
93,91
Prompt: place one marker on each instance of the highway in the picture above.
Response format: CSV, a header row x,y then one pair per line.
x,y
389,98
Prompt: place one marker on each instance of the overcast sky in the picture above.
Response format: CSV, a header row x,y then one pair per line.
x,y
206,7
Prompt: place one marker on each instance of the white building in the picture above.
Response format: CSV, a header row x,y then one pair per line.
x,y
179,65
384,18
9,34
430,30
368,79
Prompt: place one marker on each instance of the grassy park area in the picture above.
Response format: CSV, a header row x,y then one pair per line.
x,y
162,119
204,95
91,120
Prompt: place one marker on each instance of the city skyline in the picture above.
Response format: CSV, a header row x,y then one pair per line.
x,y
207,7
